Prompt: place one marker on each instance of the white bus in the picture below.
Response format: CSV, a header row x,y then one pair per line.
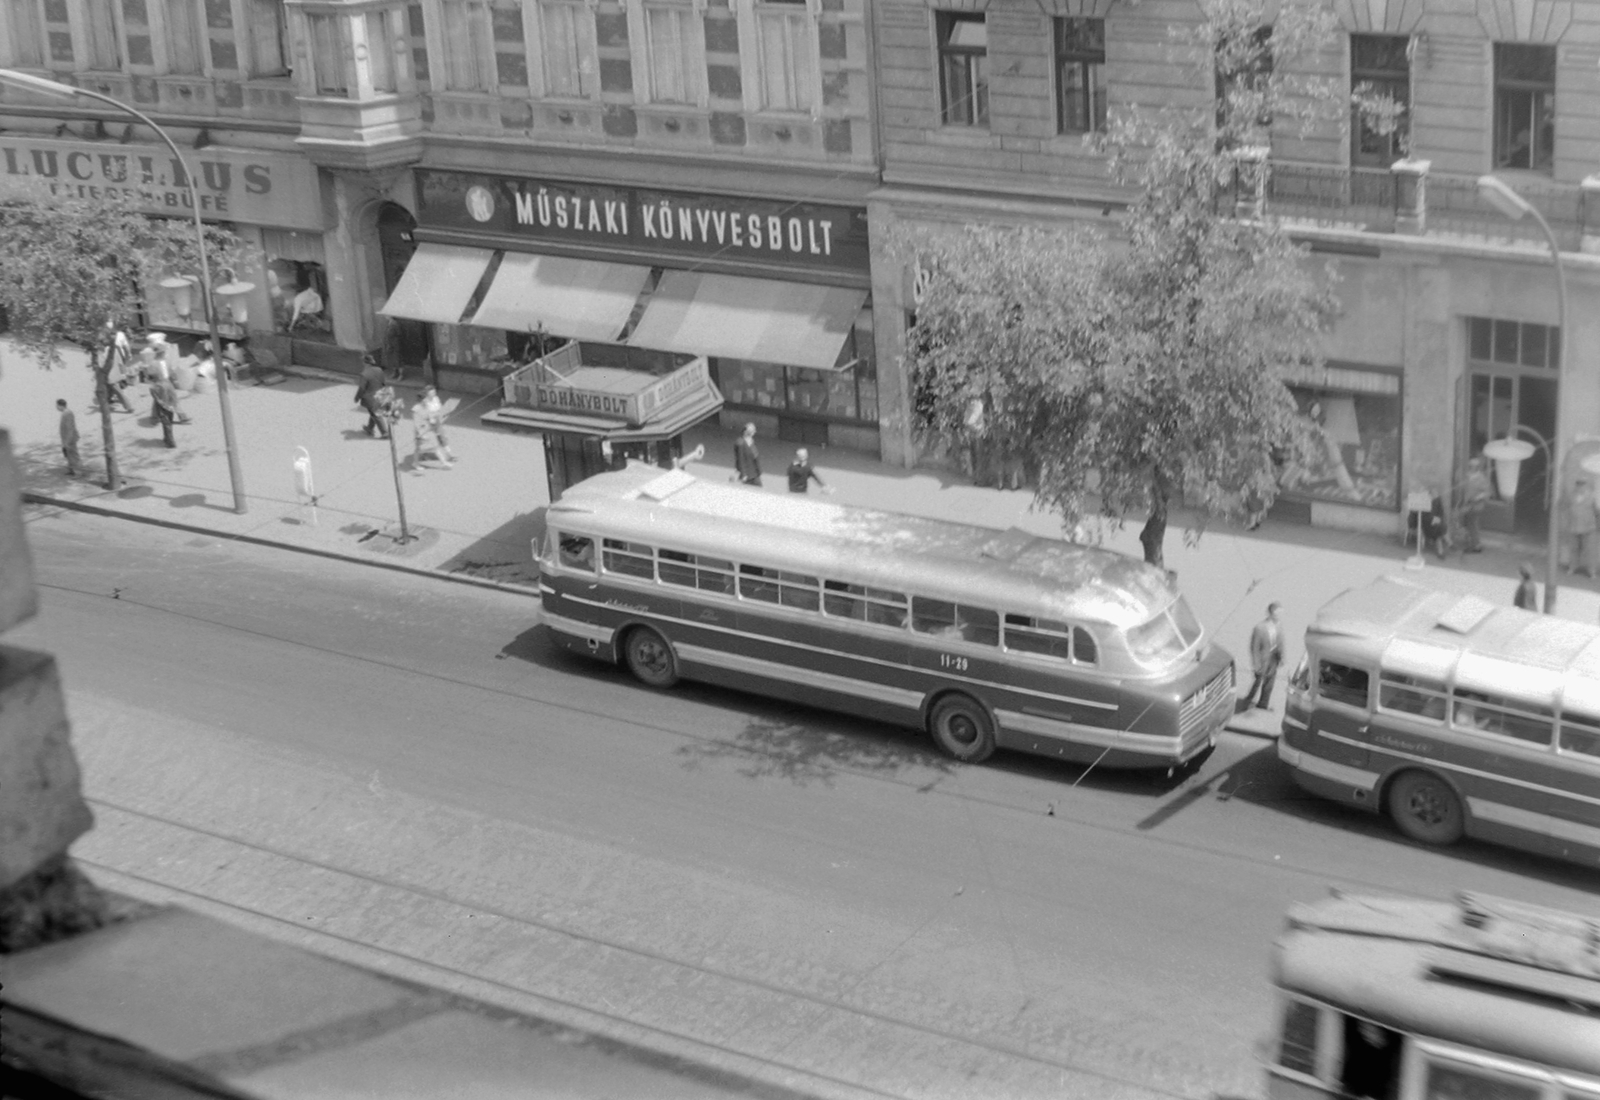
x,y
984,638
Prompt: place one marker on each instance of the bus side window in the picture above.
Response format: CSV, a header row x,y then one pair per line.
x,y
1084,649
1371,1061
798,590
1046,637
1411,695
1506,717
979,624
887,608
631,559
1459,1082
1580,734
1338,683
843,601
933,617
577,552
1297,1050
676,567
755,585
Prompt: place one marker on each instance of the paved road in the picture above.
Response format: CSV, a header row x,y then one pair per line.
x,y
381,763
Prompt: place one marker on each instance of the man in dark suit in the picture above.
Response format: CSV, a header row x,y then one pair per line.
x,y
746,459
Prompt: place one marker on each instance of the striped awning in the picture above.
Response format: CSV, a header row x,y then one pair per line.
x,y
438,283
577,299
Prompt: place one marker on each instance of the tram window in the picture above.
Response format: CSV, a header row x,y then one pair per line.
x,y
577,552
1412,695
1580,734
1371,1069
1338,683
1298,1048
1084,648
628,558
1453,1082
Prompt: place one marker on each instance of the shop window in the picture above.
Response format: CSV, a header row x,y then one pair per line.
x,y
669,52
466,44
266,30
297,284
1513,343
786,56
328,54
849,392
1355,415
1080,75
963,69
1380,78
468,345
185,44
1338,683
102,45
566,49
26,33
1524,106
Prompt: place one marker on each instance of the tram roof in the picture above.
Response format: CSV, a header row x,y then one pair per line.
x,y
1010,570
1518,980
1427,633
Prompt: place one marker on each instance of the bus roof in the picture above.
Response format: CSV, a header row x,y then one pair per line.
x,y
1012,570
1438,635
1518,980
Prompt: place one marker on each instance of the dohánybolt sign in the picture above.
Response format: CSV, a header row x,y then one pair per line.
x,y
758,231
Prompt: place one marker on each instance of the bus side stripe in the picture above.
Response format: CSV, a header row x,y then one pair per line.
x,y
1339,773
1040,726
1531,822
738,662
1476,773
586,631
827,651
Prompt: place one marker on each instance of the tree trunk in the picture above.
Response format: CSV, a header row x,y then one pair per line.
x,y
102,389
1154,532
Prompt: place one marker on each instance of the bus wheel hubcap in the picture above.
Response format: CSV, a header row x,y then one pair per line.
x,y
651,656
1427,806
962,728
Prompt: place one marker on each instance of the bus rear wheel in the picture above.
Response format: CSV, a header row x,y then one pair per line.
x,y
1426,808
960,727
650,658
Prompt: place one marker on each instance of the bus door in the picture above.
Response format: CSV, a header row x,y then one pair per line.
x,y
1341,712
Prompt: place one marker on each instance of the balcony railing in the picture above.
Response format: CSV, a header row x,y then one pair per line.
x,y
1382,200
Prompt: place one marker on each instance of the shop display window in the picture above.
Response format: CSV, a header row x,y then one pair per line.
x,y
467,345
297,284
847,393
1357,415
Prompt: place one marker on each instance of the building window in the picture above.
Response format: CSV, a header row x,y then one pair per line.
x,y
185,44
963,69
26,33
1080,76
266,30
1524,106
297,284
1380,89
1243,73
380,52
328,54
102,43
673,57
566,49
1355,416
468,45
787,51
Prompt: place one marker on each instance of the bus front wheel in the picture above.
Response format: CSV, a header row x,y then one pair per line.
x,y
650,658
1426,808
961,728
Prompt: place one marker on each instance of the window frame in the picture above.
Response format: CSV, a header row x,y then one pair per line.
x,y
559,539
753,58
248,26
534,16
164,41
441,75
13,37
1260,72
694,60
1534,88
339,64
1321,696
84,34
977,75
1381,80
1088,63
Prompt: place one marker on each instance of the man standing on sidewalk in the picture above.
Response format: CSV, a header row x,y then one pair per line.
x,y
166,403
746,459
1266,654
1474,498
69,439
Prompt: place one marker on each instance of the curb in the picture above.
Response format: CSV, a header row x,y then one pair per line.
x,y
31,497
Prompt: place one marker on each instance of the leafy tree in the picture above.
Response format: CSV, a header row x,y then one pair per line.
x,y
69,265
1159,375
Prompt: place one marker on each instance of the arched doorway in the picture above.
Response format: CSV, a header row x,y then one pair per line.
x,y
406,347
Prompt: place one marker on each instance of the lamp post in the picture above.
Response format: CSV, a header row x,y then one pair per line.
x,y
1494,191
65,91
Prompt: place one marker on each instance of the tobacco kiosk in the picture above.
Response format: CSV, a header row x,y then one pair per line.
x,y
596,418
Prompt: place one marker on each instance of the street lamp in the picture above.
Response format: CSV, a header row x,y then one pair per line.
x,y
1495,192
64,91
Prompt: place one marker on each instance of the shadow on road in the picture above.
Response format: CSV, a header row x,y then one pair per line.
x,y
775,745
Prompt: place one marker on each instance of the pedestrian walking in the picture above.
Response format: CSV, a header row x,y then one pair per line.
x,y
69,439
1581,524
801,475
1474,497
1527,592
1266,654
165,399
367,396
746,459
114,365
427,424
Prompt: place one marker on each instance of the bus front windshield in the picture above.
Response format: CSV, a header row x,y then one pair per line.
x,y
1166,636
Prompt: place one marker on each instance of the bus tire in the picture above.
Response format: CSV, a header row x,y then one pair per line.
x,y
961,728
650,658
1426,808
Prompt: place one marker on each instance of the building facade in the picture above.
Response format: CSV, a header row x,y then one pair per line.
x,y
1450,331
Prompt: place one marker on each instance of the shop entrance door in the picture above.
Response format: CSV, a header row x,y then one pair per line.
x,y
408,343
1496,400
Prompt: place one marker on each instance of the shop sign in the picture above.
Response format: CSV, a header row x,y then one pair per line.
x,y
636,408
677,223
232,185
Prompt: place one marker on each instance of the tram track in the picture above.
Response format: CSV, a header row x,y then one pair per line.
x,y
156,858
